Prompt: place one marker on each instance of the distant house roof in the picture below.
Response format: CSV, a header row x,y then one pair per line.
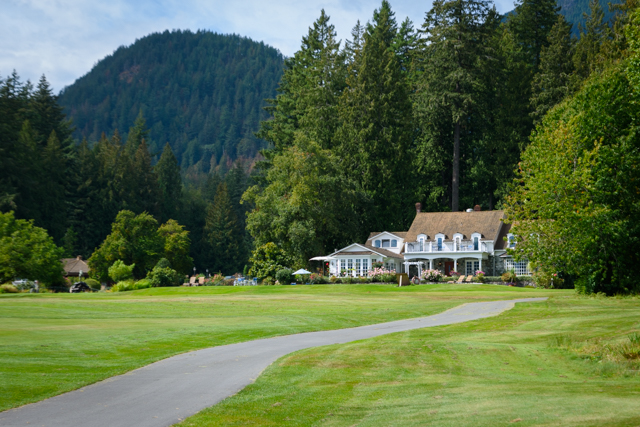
x,y
72,266
399,234
487,223
368,250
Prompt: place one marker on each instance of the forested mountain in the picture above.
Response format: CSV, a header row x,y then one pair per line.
x,y
202,92
574,11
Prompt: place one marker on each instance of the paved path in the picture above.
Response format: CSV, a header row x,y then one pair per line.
x,y
165,392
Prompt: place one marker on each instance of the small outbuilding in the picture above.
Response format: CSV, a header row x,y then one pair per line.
x,y
74,266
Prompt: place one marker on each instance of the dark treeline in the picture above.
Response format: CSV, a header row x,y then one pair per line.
x,y
75,191
202,92
437,114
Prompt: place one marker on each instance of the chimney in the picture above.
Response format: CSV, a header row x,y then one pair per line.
x,y
477,208
418,207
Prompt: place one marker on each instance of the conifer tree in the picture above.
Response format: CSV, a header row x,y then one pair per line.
x,y
531,24
593,35
553,82
457,35
222,234
308,94
167,172
376,132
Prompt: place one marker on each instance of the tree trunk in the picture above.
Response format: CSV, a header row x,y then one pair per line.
x,y
456,168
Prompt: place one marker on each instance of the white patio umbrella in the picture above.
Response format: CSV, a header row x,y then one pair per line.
x,y
301,271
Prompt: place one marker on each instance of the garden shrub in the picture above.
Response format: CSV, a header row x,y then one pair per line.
x,y
142,284
334,279
432,275
93,284
317,279
509,277
119,271
164,276
285,276
8,288
123,286
268,281
229,282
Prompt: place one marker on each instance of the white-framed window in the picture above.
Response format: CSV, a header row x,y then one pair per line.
x,y
472,267
358,267
350,264
376,243
343,265
394,243
421,244
521,268
365,266
439,243
386,243
511,241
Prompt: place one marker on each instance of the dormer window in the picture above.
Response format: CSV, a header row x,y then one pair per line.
x,y
476,243
439,243
386,243
512,241
376,243
394,243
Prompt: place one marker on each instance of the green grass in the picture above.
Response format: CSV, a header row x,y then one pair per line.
x,y
553,363
52,343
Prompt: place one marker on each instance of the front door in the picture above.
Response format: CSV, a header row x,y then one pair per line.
x,y
448,268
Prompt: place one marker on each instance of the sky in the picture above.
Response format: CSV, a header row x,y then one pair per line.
x,y
64,39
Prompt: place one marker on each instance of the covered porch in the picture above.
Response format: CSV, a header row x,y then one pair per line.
x,y
464,264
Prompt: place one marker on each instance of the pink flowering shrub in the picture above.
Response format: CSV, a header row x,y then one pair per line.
x,y
432,275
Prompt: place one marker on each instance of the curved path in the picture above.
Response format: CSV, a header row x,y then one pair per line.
x,y
166,392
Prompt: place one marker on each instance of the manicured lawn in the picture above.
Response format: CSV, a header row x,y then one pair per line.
x,y
554,363
52,343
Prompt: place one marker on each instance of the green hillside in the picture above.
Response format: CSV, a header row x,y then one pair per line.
x,y
202,92
573,10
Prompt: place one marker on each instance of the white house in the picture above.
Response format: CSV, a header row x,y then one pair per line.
x,y
448,241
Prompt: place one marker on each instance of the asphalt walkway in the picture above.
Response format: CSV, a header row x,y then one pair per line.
x,y
168,391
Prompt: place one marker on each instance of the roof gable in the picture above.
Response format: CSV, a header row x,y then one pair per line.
x,y
487,223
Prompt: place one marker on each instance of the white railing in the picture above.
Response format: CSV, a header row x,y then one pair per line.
x,y
458,246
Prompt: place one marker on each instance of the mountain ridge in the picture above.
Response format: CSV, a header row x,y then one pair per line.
x,y
202,92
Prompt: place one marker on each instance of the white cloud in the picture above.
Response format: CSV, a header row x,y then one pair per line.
x,y
63,39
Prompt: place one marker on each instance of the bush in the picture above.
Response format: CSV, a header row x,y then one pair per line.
x,y
8,288
334,279
509,277
119,271
142,284
388,278
268,281
229,282
125,285
164,276
317,279
285,276
432,275
162,263
216,280
93,284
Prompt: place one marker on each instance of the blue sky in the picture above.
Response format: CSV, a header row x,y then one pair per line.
x,y
63,39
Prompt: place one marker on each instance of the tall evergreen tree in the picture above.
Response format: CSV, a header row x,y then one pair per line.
x,y
222,234
167,172
531,24
553,83
376,131
457,33
593,36
308,94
